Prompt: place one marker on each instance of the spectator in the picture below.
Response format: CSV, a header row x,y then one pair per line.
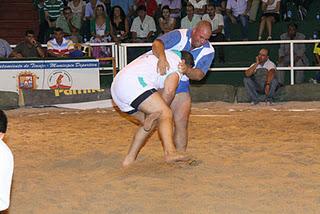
x,y
199,6
28,48
77,7
217,24
119,27
190,20
270,15
166,22
260,78
143,26
52,10
316,52
5,49
59,46
43,35
126,5
220,5
100,32
6,166
237,12
299,51
70,23
151,6
254,10
90,8
175,7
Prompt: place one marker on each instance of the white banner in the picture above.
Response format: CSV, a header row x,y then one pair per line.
x,y
49,74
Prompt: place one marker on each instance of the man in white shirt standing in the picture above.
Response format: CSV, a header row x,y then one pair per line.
x,y
190,20
217,24
6,165
143,26
237,12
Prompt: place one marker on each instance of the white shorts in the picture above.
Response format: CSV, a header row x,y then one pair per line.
x,y
135,92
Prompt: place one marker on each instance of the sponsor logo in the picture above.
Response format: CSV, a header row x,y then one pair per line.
x,y
27,80
60,79
59,92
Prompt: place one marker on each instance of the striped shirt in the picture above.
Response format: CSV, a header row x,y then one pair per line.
x,y
61,50
54,8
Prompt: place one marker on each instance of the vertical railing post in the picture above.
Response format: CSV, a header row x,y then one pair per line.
x,y
291,63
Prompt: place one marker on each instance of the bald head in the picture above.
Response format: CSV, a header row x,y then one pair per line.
x,y
201,34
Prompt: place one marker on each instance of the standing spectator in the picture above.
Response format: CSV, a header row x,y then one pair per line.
x,y
217,24
6,166
43,35
59,46
143,26
316,52
52,10
119,27
199,6
5,49
190,20
270,15
28,48
260,78
70,23
175,8
77,7
151,6
237,12
299,51
166,22
255,4
100,32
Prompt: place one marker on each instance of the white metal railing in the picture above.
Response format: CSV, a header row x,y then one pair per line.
x,y
124,46
119,52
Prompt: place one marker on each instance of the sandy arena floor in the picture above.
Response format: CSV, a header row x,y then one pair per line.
x,y
262,159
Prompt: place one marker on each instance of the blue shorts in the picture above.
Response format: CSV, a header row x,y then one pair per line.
x,y
183,87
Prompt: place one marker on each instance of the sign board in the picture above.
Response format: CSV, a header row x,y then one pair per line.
x,y
49,74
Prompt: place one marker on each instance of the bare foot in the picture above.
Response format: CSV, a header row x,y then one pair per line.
x,y
149,120
176,158
128,161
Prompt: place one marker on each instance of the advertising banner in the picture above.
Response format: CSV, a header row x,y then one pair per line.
x,y
49,74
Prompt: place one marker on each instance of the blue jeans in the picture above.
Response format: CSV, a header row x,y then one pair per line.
x,y
243,20
253,89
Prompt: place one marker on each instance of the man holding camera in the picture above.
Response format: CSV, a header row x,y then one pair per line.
x,y
29,48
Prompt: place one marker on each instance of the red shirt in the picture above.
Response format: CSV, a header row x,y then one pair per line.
x,y
151,6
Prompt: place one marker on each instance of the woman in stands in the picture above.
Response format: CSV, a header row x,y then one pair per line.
x,y
166,22
119,25
270,15
100,32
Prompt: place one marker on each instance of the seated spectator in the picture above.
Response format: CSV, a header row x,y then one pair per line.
x,y
59,46
166,22
220,5
260,78
190,20
143,26
52,10
270,15
199,6
217,24
119,26
299,51
6,166
88,16
175,8
28,48
316,52
70,23
151,6
126,5
77,7
5,49
237,12
100,32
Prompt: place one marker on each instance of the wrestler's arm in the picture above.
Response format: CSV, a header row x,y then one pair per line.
x,y
158,51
